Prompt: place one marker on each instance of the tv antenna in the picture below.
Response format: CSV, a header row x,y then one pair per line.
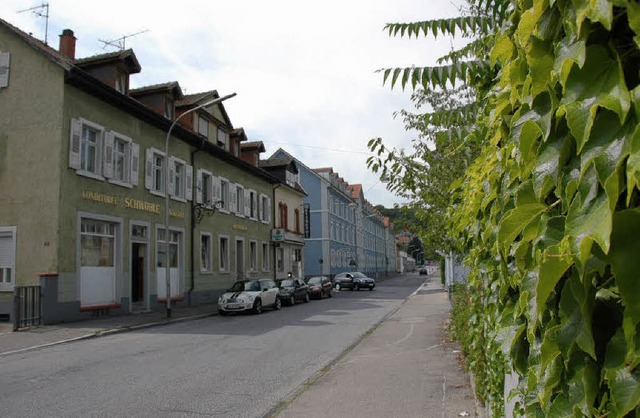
x,y
120,42
40,11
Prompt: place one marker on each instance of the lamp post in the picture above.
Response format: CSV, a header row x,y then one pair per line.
x,y
166,193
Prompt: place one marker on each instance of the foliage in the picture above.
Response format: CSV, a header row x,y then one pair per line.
x,y
549,210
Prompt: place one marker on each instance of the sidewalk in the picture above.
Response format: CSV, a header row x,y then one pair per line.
x,y
405,367
36,337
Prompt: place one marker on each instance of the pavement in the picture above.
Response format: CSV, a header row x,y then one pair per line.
x,y
406,366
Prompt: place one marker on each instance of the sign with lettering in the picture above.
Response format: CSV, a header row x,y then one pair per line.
x,y
306,213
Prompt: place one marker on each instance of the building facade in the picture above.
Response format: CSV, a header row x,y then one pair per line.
x,y
83,174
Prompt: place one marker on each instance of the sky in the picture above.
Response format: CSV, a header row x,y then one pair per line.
x,y
304,72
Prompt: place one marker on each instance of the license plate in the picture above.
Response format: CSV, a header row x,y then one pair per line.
x,y
232,306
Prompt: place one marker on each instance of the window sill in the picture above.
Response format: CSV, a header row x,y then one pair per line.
x,y
121,183
156,193
5,287
90,175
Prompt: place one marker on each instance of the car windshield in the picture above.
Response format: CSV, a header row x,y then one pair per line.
x,y
314,280
358,275
240,286
286,283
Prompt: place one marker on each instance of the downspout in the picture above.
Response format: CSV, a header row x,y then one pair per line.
x,y
192,283
273,216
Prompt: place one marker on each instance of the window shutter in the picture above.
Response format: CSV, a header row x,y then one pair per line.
x,y
188,190
107,162
5,59
148,174
199,186
216,186
233,197
135,157
74,143
172,176
247,203
268,220
258,207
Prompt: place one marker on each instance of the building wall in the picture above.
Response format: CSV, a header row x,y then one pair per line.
x,y
30,129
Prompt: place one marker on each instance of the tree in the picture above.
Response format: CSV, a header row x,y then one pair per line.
x,y
549,209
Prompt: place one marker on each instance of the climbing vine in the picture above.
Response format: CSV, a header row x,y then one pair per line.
x,y
549,211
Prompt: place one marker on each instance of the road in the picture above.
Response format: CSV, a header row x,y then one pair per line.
x,y
235,366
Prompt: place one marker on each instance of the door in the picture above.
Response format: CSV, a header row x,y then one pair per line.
x,y
172,257
239,259
138,263
97,263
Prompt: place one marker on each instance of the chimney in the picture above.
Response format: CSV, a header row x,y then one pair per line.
x,y
68,43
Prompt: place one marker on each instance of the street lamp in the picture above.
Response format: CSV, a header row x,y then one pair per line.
x,y
166,192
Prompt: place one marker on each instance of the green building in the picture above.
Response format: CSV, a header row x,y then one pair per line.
x,y
83,182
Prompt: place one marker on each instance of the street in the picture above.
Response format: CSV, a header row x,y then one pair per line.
x,y
236,366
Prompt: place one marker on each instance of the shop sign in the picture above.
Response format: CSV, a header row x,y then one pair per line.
x,y
277,235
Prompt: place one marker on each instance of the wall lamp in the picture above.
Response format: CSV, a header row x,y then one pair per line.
x,y
201,209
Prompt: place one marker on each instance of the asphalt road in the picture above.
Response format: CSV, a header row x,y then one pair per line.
x,y
235,366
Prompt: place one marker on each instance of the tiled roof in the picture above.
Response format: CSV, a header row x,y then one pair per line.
x,y
169,86
191,99
275,162
126,55
254,145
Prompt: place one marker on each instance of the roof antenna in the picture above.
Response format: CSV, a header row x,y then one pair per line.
x,y
120,42
41,11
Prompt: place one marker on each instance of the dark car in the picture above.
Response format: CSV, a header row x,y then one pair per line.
x,y
319,287
423,271
293,290
353,280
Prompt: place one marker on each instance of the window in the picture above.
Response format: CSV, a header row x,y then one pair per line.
x,y
224,254
282,209
169,109
203,126
174,240
292,178
224,195
205,252
121,82
265,209
296,220
280,259
253,256
5,60
120,163
223,139
97,241
204,186
7,257
85,148
253,204
157,172
239,200
265,256
179,176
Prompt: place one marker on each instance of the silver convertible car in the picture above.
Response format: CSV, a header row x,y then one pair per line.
x,y
250,295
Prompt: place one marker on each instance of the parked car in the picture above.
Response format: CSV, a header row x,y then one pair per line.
x,y
423,271
319,287
250,295
353,280
293,290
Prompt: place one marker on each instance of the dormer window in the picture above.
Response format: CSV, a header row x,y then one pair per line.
x,y
169,109
203,126
223,139
121,82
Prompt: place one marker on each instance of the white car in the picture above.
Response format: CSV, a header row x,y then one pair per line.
x,y
250,295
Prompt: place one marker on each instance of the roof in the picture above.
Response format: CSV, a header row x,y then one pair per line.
x,y
51,53
240,134
254,145
171,87
356,190
276,162
127,56
192,99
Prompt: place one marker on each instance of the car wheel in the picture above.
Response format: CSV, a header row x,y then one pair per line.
x,y
330,294
278,304
306,298
292,300
221,312
338,287
257,307
356,287
371,288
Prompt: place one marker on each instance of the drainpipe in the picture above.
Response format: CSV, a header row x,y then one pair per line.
x,y
273,216
192,283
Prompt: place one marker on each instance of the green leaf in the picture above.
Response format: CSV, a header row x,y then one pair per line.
x,y
556,261
546,171
540,60
633,14
560,408
516,220
600,83
625,390
625,248
568,52
576,310
589,218
601,11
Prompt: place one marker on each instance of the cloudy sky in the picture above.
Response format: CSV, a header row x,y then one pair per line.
x,y
304,72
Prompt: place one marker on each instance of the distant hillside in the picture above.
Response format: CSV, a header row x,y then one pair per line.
x,y
400,217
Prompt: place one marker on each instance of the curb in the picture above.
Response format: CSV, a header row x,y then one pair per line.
x,y
106,332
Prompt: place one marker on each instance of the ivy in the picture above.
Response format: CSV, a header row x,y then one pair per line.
x,y
548,207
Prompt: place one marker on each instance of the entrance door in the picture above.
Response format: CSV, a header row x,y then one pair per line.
x,y
174,257
239,259
138,262
97,263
